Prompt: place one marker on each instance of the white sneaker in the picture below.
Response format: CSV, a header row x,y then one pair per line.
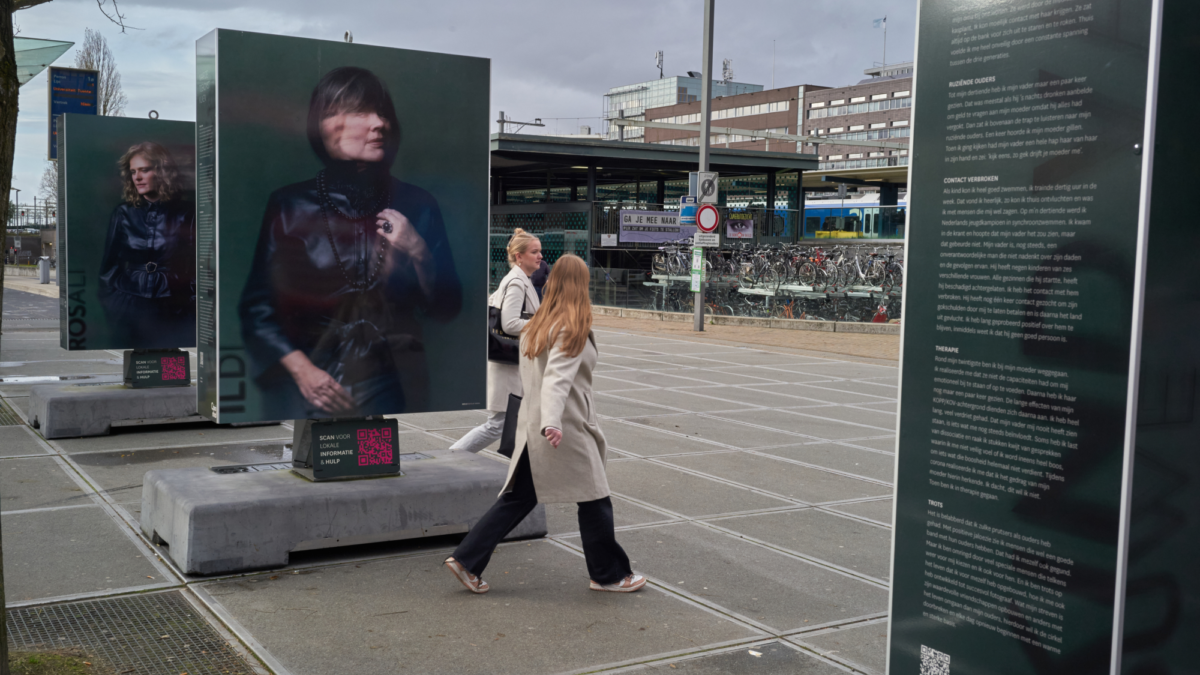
x,y
629,584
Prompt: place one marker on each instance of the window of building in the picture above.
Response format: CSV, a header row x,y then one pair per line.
x,y
858,99
834,130
901,94
840,101
857,127
900,123
833,157
879,97
856,155
879,125
872,135
875,154
873,106
820,104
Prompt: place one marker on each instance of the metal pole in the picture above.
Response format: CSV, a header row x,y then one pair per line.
x,y
705,129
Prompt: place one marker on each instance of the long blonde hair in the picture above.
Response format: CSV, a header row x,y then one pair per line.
x,y
565,315
520,243
164,169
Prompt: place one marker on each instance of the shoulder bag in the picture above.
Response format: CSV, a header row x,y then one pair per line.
x,y
502,347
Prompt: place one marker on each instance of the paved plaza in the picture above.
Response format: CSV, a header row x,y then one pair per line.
x,y
752,485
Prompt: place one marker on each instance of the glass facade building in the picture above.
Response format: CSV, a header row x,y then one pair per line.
x,y
634,99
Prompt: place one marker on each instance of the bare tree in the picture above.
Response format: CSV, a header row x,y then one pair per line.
x,y
49,186
9,93
94,54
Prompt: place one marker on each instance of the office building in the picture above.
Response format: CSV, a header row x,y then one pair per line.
x,y
878,108
635,99
776,110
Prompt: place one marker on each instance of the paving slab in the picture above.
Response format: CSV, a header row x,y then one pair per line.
x,y
456,434
874,389
753,357
653,378
841,458
819,392
879,510
50,554
793,481
719,376
681,347
618,384
684,493
633,363
886,444
176,436
780,375
650,442
410,613
443,420
772,657
19,440
863,646
667,361
18,403
755,397
810,422
562,518
760,584
720,431
617,405
685,400
886,406
120,473
875,418
851,544
847,370
37,483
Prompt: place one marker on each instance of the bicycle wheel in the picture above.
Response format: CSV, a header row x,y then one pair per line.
x,y
875,273
769,277
806,274
674,268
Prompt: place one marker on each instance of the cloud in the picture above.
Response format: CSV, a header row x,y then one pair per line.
x,y
550,59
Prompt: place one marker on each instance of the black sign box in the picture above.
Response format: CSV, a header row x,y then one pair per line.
x,y
157,368
355,448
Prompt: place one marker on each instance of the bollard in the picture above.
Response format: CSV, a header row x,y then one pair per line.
x,y
44,269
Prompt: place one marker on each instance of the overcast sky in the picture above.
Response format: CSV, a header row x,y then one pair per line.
x,y
550,58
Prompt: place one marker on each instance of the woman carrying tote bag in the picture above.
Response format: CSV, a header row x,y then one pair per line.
x,y
516,299
560,451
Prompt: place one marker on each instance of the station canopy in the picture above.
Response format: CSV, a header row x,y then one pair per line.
x,y
34,55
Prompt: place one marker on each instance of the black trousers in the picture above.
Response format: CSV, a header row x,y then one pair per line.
x,y
606,560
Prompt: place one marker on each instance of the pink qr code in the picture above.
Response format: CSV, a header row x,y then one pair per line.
x,y
174,368
374,446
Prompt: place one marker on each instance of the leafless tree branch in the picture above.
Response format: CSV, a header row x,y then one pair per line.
x,y
114,16
94,54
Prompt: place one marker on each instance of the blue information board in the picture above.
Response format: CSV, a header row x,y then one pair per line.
x,y
71,91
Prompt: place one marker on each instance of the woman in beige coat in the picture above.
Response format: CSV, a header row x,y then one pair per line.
x,y
516,298
561,452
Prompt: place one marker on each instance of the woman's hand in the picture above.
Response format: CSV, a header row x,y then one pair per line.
x,y
402,235
553,435
316,385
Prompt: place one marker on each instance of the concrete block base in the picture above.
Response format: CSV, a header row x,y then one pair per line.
x,y
69,410
220,523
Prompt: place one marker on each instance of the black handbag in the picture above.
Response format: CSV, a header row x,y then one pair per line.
x,y
508,437
502,347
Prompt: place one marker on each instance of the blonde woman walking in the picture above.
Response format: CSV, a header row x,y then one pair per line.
x,y
560,452
517,299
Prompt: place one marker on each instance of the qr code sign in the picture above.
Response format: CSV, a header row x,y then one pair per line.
x,y
374,446
174,368
934,662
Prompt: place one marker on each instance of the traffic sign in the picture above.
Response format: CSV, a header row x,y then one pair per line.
x,y
706,186
707,218
706,239
687,210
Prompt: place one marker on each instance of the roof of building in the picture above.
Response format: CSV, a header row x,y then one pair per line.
x,y
525,158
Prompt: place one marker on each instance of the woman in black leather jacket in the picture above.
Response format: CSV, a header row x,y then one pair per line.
x,y
147,275
347,266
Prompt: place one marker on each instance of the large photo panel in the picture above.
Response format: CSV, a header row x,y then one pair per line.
x,y
342,244
127,243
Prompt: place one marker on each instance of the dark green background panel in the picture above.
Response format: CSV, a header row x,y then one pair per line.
x,y
91,145
263,85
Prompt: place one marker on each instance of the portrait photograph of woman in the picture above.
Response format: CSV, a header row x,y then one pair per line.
x,y
346,273
343,262
147,280
127,233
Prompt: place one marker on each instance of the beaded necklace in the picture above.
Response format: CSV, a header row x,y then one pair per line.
x,y
327,205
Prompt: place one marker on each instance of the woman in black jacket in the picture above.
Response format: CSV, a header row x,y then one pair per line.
x,y
346,264
147,275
